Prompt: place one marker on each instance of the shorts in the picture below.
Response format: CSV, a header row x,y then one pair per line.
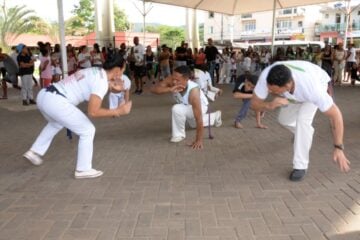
x,y
139,71
348,66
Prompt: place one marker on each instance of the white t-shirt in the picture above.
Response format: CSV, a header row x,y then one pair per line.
x,y
139,52
79,86
201,80
116,98
311,83
352,57
82,57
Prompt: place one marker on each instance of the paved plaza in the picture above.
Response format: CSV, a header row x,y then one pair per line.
x,y
236,188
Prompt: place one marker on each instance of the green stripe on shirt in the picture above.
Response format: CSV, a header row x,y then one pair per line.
x,y
294,67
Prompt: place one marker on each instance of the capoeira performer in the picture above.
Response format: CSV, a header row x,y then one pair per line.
x,y
58,104
191,109
300,88
203,79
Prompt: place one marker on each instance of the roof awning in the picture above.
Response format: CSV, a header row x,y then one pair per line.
x,y
237,7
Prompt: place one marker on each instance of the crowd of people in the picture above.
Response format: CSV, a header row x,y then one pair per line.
x,y
297,80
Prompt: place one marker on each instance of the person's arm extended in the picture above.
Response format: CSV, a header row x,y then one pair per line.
x,y
194,100
95,110
241,95
166,86
337,127
259,104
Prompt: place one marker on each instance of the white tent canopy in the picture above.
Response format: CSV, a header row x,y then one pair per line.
x,y
237,7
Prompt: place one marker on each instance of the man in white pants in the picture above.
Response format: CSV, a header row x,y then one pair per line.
x,y
300,88
192,107
58,102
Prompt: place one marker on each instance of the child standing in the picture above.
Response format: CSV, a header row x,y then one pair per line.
x,y
56,71
45,67
243,89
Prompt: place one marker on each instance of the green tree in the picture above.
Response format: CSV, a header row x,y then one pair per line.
x,y
13,22
169,35
83,21
85,15
120,20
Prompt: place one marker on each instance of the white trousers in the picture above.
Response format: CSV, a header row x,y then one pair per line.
x,y
298,119
182,113
115,99
59,113
26,87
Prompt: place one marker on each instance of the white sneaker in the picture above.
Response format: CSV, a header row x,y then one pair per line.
x,y
92,173
34,158
218,121
176,139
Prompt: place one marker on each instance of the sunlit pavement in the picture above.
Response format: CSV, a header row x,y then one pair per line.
x,y
236,188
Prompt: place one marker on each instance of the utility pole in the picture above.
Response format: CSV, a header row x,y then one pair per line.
x,y
222,29
144,11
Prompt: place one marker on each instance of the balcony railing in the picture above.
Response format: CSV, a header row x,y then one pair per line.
x,y
278,31
338,27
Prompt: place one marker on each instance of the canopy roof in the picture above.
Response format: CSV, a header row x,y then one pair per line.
x,y
237,7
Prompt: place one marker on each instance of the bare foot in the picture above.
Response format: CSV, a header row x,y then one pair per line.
x,y
261,126
238,125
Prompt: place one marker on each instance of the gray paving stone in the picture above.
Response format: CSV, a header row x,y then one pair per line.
x,y
237,188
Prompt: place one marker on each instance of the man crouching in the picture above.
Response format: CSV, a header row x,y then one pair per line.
x,y
191,106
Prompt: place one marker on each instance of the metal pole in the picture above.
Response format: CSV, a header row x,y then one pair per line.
x,y
273,29
62,38
222,29
347,16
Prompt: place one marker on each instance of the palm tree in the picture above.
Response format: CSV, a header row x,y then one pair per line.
x,y
13,22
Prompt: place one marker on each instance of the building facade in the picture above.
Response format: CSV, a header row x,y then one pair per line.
x,y
331,27
291,24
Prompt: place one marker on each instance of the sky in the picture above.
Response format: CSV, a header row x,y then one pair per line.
x,y
159,13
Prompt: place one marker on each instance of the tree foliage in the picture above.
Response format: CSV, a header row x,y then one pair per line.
x,y
120,20
169,35
84,16
13,22
83,20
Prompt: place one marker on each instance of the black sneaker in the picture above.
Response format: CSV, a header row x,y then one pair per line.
x,y
25,103
136,91
297,175
32,101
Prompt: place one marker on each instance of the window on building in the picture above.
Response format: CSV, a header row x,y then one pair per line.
x,y
283,24
246,15
249,26
295,10
300,24
338,18
326,15
287,11
211,29
211,14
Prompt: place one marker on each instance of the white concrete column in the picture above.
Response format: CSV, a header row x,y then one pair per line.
x,y
62,37
104,22
195,30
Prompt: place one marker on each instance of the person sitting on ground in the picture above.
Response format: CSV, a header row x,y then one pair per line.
x,y
191,108
243,89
